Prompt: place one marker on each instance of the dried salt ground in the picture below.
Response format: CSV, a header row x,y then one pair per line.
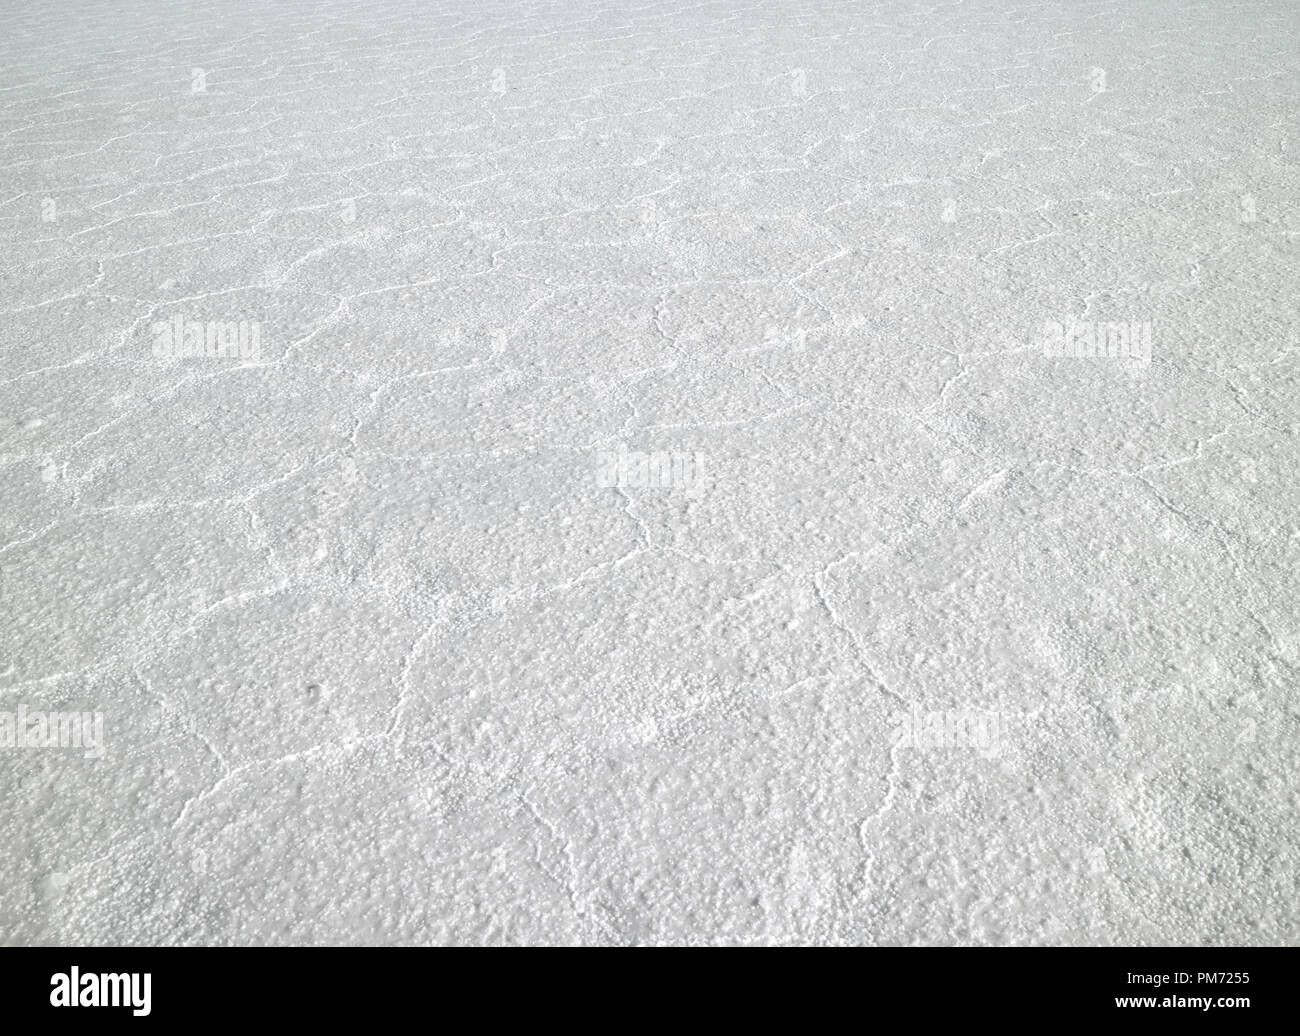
x,y
650,513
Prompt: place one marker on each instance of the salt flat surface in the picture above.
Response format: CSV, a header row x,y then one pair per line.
x,y
644,509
